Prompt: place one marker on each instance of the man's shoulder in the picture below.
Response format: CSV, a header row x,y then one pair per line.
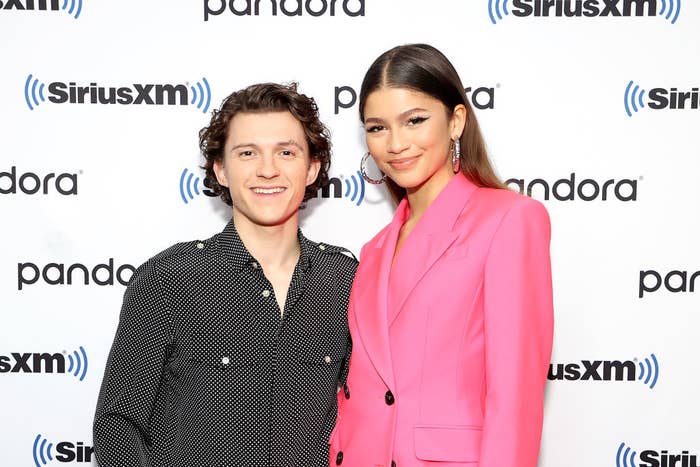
x,y
182,256
336,255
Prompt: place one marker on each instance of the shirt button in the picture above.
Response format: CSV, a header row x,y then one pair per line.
x,y
339,458
265,293
225,360
389,398
327,359
322,247
200,245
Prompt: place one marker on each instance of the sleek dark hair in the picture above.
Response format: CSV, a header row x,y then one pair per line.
x,y
425,69
261,98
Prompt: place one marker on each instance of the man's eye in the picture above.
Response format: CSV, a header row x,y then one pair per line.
x,y
417,120
245,153
287,153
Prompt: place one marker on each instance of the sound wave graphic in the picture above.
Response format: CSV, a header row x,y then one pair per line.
x,y
649,371
357,188
187,184
623,455
634,98
41,451
33,91
495,8
200,94
78,363
75,7
672,5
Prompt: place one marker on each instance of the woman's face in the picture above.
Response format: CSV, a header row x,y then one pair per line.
x,y
409,135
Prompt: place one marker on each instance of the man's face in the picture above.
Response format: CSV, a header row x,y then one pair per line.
x,y
266,166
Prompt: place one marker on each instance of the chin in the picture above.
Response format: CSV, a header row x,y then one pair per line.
x,y
409,180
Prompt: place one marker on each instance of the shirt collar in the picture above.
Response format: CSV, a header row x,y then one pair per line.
x,y
239,257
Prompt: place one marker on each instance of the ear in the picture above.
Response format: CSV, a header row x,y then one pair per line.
x,y
220,172
312,171
458,121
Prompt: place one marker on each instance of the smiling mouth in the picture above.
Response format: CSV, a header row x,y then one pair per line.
x,y
403,162
268,191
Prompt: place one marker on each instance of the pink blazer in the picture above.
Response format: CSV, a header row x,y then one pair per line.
x,y
448,365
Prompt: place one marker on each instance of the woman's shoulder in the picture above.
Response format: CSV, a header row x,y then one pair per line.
x,y
500,201
494,208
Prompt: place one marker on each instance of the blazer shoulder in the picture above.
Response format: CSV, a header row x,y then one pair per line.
x,y
500,202
495,209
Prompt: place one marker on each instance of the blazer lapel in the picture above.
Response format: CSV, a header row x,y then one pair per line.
x,y
425,251
428,241
370,298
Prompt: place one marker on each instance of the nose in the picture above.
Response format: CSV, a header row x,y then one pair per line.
x,y
267,167
397,142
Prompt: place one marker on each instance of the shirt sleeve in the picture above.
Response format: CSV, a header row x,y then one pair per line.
x,y
518,332
132,375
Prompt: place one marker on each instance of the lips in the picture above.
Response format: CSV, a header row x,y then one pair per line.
x,y
268,191
403,162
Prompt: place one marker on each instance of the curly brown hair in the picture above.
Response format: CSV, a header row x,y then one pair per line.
x,y
260,98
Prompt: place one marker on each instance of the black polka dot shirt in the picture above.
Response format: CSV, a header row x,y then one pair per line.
x,y
204,370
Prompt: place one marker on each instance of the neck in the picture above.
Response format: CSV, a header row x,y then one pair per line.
x,y
421,197
272,245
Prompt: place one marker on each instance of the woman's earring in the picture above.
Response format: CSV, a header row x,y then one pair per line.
x,y
363,170
456,155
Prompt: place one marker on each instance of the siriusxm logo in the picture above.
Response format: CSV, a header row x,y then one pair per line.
x,y
675,281
569,189
351,8
626,457
43,451
73,8
30,183
58,274
354,188
659,99
499,9
198,95
46,363
481,97
190,186
605,370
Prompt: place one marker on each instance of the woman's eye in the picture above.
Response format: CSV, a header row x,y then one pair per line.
x,y
374,128
417,120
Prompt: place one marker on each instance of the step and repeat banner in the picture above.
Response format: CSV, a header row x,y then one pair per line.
x,y
592,107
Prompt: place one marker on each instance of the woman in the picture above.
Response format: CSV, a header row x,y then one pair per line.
x,y
451,309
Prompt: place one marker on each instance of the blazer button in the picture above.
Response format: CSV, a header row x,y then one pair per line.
x,y
339,458
393,464
346,391
389,398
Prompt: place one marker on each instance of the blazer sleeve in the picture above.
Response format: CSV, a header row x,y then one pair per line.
x,y
132,375
518,332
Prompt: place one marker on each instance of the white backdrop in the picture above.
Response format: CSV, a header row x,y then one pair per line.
x,y
554,99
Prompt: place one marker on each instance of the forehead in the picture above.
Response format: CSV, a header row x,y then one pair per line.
x,y
387,100
265,128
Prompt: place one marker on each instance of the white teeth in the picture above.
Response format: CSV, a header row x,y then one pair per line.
x,y
268,191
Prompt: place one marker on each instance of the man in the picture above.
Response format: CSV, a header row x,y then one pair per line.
x,y
230,350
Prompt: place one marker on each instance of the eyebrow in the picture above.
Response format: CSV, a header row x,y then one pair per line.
x,y
290,142
401,115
